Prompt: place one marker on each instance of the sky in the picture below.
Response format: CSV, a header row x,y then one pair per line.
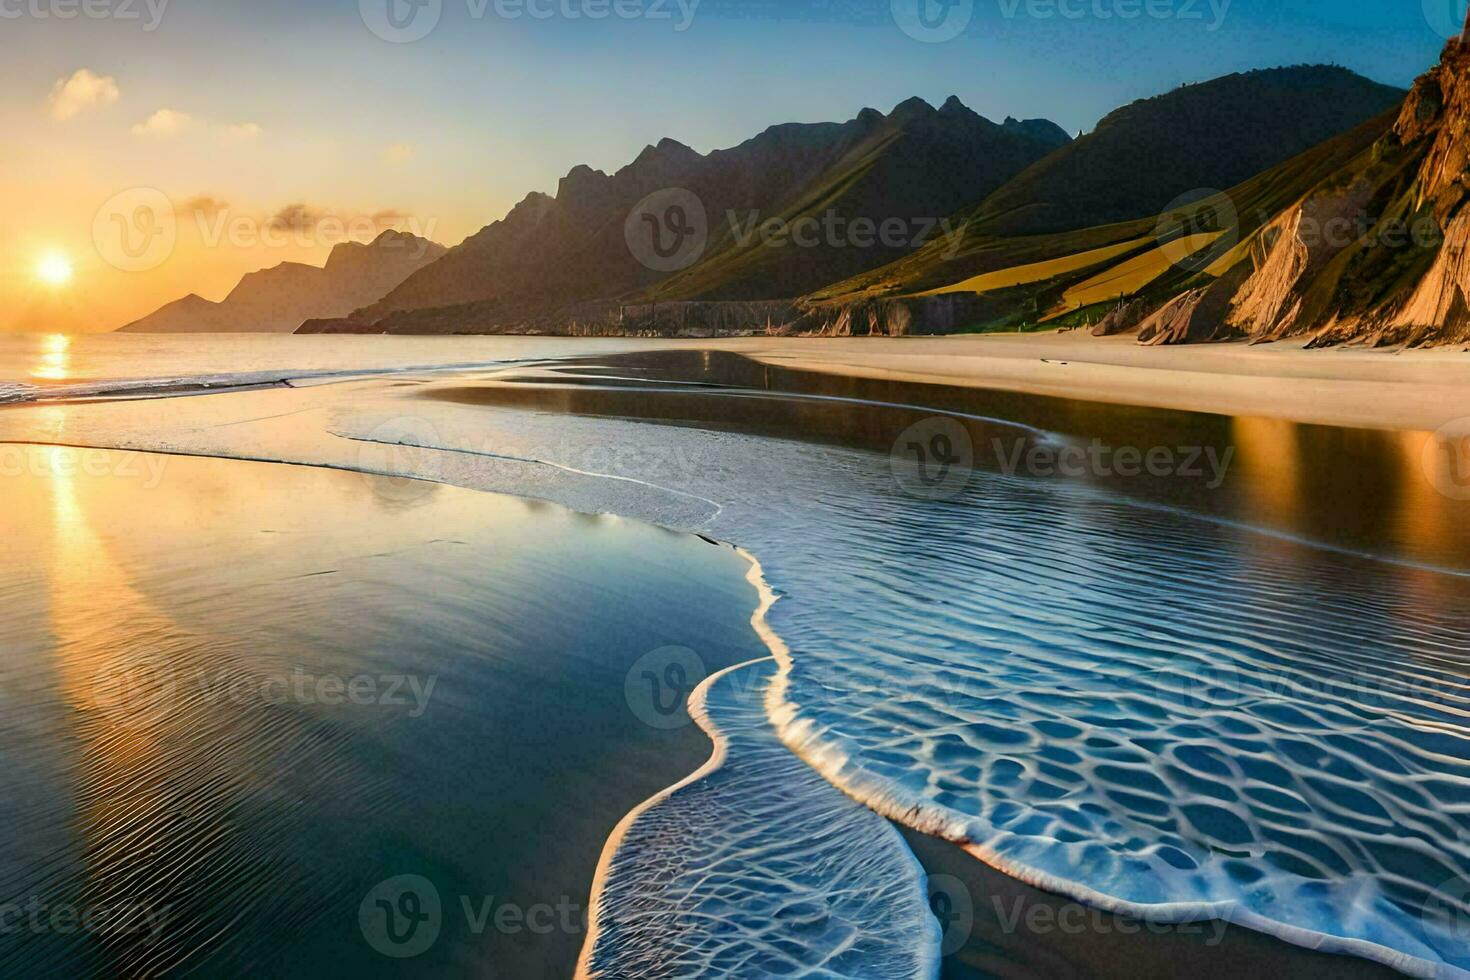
x,y
271,129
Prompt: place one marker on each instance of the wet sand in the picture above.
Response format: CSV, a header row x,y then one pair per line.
x,y
996,926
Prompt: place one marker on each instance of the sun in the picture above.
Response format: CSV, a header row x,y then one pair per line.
x,y
54,269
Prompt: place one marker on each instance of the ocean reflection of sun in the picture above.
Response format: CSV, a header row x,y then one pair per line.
x,y
55,362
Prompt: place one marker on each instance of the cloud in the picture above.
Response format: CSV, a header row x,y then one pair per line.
x,y
81,91
239,132
206,205
164,122
398,154
297,217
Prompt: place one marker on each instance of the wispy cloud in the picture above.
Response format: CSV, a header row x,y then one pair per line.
x,y
82,90
239,132
297,217
206,205
164,122
398,154
172,122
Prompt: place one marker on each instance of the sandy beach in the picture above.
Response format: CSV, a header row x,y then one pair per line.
x,y
1380,389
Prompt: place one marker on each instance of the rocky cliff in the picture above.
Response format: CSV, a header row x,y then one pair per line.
x,y
1377,254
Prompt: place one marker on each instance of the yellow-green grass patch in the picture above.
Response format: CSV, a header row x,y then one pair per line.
x,y
1021,275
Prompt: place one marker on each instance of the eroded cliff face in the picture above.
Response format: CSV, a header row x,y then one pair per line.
x,y
1288,255
1379,254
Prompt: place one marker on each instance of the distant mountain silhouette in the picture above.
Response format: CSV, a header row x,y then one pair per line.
x,y
280,299
915,163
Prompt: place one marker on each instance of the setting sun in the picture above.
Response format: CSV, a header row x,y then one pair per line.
x,y
54,269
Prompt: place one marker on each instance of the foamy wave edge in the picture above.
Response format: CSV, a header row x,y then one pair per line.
x,y
802,738
926,948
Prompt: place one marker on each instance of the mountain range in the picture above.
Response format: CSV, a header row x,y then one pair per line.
x,y
281,298
554,252
1188,216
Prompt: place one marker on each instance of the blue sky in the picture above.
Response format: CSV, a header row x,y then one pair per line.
x,y
494,103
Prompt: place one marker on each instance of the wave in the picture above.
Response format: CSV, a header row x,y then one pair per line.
x,y
13,392
755,867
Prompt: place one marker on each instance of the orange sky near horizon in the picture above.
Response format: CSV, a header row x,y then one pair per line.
x,y
67,197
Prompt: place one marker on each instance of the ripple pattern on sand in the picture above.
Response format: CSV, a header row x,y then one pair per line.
x,y
757,867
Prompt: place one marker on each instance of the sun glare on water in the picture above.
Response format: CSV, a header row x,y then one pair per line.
x,y
54,269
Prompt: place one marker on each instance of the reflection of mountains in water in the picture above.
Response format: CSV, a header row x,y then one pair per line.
x,y
1356,489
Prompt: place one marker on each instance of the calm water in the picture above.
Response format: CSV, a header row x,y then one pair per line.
x,y
238,696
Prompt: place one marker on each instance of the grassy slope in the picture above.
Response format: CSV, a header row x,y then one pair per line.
x,y
1254,203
